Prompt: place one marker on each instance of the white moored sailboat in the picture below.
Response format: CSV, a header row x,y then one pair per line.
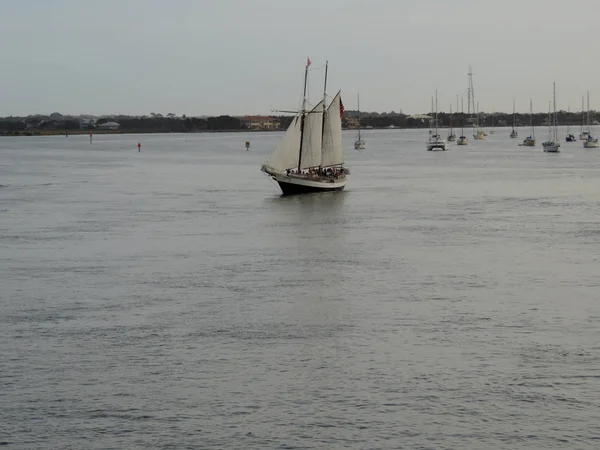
x,y
451,136
462,140
478,133
529,141
552,145
514,133
359,144
590,142
583,135
435,141
310,156
570,136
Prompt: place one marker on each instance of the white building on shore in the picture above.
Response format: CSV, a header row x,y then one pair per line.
x,y
109,126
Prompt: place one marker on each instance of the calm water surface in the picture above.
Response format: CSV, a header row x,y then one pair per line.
x,y
172,299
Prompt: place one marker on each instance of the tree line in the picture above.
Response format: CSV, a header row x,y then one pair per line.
x,y
171,123
445,119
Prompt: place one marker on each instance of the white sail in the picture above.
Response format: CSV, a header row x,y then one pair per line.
x,y
333,150
285,155
311,137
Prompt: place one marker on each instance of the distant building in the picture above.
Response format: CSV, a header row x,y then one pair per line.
x,y
420,116
350,122
109,126
86,122
261,122
32,124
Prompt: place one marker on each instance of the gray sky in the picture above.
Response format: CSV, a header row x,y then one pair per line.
x,y
247,56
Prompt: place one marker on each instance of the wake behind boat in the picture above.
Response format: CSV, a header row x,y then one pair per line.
x,y
310,156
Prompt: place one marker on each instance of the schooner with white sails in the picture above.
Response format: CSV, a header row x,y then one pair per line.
x,y
310,156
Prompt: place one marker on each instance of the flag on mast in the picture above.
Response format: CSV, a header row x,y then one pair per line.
x,y
307,62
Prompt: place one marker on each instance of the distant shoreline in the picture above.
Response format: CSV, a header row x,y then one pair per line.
x,y
56,124
102,132
95,132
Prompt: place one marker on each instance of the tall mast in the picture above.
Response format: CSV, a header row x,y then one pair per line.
x,y
513,125
430,127
303,118
549,121
358,106
531,118
325,86
457,103
472,97
450,119
582,115
469,93
587,113
324,106
436,116
555,118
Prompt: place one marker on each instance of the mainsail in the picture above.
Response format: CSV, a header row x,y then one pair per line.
x,y
311,137
333,150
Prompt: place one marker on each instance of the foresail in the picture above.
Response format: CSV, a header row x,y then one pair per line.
x,y
333,150
311,139
285,155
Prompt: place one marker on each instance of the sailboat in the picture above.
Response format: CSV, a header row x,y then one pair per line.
x,y
590,142
493,130
570,136
435,141
462,140
479,134
514,133
359,144
529,141
310,156
552,145
583,135
451,137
